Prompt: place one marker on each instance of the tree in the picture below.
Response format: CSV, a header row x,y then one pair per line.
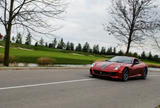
x,y
41,42
90,50
32,15
155,58
46,45
13,39
68,46
19,38
132,20
109,51
72,46
156,38
61,44
79,47
86,47
96,49
54,43
135,55
50,45
150,56
114,51
103,50
120,53
36,44
143,55
28,39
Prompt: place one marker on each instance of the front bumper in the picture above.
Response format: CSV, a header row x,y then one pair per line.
x,y
115,74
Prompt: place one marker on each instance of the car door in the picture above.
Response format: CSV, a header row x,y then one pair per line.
x,y
135,67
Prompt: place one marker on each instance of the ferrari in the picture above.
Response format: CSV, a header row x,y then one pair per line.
x,y
120,67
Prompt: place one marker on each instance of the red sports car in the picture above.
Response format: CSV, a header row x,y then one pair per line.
x,y
120,67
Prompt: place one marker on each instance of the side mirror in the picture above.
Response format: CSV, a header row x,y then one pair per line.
x,y
135,63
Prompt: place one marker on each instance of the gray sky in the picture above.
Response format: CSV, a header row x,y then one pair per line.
x,y
83,21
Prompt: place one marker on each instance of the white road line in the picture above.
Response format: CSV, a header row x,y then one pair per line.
x,y
44,84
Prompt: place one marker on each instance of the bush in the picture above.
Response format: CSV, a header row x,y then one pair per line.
x,y
11,59
45,61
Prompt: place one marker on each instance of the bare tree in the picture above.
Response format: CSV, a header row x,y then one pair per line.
x,y
132,20
156,39
28,15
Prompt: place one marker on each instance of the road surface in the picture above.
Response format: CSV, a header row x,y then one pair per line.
x,y
73,88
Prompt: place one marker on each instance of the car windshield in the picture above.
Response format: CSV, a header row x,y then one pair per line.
x,y
121,59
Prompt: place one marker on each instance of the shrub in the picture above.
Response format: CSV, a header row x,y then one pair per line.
x,y
45,61
11,59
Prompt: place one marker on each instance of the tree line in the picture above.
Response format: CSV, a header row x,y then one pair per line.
x,y
70,46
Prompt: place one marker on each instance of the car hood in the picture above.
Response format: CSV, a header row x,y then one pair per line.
x,y
107,65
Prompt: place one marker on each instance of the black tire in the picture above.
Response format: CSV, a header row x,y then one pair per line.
x,y
125,74
145,71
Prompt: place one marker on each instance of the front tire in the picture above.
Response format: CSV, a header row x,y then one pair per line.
x,y
125,75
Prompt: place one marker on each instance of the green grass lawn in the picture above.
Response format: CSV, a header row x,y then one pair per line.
x,y
152,63
62,56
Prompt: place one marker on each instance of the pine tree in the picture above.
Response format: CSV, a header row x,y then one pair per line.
x,y
103,50
109,51
90,51
72,46
50,45
41,42
13,39
150,56
86,47
19,38
46,45
143,55
79,47
54,43
155,58
120,53
61,44
36,44
68,46
114,51
96,49
135,55
28,39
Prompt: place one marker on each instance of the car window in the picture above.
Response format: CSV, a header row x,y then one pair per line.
x,y
121,59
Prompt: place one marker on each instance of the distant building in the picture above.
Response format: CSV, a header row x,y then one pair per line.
x,y
1,37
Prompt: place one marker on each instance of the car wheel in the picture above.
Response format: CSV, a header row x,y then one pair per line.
x,y
125,75
144,75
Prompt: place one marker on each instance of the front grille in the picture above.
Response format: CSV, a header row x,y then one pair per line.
x,y
104,73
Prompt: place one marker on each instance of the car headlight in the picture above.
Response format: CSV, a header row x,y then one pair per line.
x,y
93,65
116,68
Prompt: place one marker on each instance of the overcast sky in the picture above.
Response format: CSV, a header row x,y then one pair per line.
x,y
83,21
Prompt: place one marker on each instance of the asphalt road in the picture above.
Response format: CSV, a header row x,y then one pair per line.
x,y
73,88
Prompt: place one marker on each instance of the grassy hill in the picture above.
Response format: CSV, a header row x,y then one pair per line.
x,y
30,54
